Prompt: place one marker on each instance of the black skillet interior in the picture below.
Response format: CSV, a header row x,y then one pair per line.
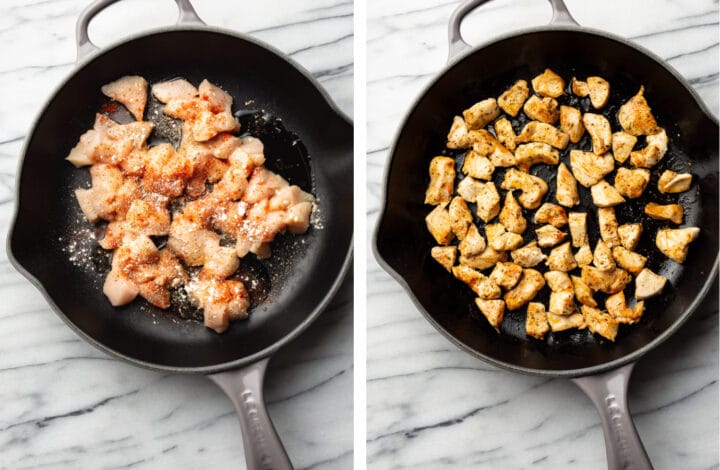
x,y
50,237
403,242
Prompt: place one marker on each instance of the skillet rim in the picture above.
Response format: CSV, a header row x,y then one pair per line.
x,y
566,373
205,370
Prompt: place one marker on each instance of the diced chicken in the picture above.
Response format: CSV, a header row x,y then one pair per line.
x,y
473,243
486,145
445,255
671,212
578,228
500,239
599,91
110,196
600,132
536,323
109,142
607,221
505,133
548,236
530,284
571,123
488,202
477,166
469,189
589,168
648,284
631,183
221,263
600,322
481,113
583,293
485,260
603,258
584,256
131,91
208,115
166,171
558,281
622,145
533,188
511,215
506,275
618,308
605,195
191,242
461,217
178,89
671,182
542,109
222,301
482,285
528,256
629,235
541,132
579,88
549,84
609,282
264,184
118,287
636,117
562,303
674,243
566,192
439,224
442,180
565,322
147,218
527,155
629,260
561,258
494,310
512,99
458,137
552,214
653,152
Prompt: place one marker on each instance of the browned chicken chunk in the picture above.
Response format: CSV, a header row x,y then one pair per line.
x,y
528,256
599,91
589,168
600,132
542,109
671,212
603,258
494,310
674,243
442,180
636,117
461,217
506,275
511,215
648,284
439,224
552,214
536,131
512,99
605,195
548,236
583,293
536,323
445,255
561,258
566,192
571,123
622,145
527,155
533,188
530,284
629,235
488,202
481,113
578,228
631,183
505,133
600,322
629,260
607,221
549,84
618,308
671,182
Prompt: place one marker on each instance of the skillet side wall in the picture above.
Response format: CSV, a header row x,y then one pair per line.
x,y
47,210
403,241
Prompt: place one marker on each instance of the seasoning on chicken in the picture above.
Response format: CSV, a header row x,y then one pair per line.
x,y
629,235
629,260
599,129
607,221
530,284
621,312
565,322
500,239
579,88
571,123
566,192
469,189
674,243
487,145
481,113
636,117
445,255
461,217
527,155
477,166
605,195
110,196
589,168
609,282
442,179
578,228
222,301
506,275
561,258
512,99
488,202
528,256
473,244
671,182
533,188
562,303
583,293
622,145
631,183
548,236
558,281
494,310
536,323
511,215
599,91
458,136
131,91
482,285
166,171
600,322
603,257
671,212
552,214
535,131
653,152
485,260
439,224
648,284
542,109
178,89
505,133
549,84
584,256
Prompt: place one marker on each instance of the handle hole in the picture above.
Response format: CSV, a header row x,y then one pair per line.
x,y
128,17
500,17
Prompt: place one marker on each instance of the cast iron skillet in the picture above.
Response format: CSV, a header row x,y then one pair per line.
x,y
304,272
402,244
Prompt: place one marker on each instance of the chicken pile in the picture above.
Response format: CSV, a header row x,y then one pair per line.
x,y
220,177
487,249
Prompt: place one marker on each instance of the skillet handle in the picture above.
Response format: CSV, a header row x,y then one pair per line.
x,y
561,16
608,392
186,16
263,449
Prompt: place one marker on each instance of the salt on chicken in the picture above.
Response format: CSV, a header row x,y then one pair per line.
x,y
542,109
131,92
442,180
671,182
566,192
674,243
512,99
571,123
670,212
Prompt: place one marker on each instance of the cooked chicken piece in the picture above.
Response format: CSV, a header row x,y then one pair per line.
x,y
222,301
622,145
535,131
439,224
110,142
530,284
500,239
488,202
482,285
673,243
461,217
562,303
177,89
604,195
505,133
542,109
629,260
562,322
600,322
131,91
473,243
607,221
584,256
653,152
589,168
571,123
486,145
631,183
549,84
477,166
494,310
600,132
527,155
561,258
533,188
512,99
442,180
603,258
166,171
671,212
629,235
566,192
558,281
609,282
618,308
445,255
506,275
552,214
481,113
579,88
599,91
528,256
511,215
578,228
671,182
485,260
636,117
458,137
469,189
536,323
583,293
648,284
548,236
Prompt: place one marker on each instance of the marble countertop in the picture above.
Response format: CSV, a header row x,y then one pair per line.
x,y
433,406
63,404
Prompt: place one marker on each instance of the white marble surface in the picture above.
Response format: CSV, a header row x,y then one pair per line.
x,y
431,406
64,404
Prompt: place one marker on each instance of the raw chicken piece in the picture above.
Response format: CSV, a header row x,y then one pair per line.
x,y
527,155
445,255
561,258
600,322
528,256
629,260
505,133
512,99
653,152
178,89
674,243
562,303
542,109
603,258
481,113
530,284
629,235
166,172
584,256
208,115
549,84
566,192
506,275
473,243
511,215
604,195
110,196
118,288
109,142
486,145
648,284
636,117
622,145
589,168
131,91
671,182
571,123
671,212
535,131
607,221
488,202
562,322
548,236
221,262
552,214
461,217
469,189
631,183
583,293
485,260
533,188
474,165
222,301
599,129
494,310
599,91
618,308
558,281
149,218
264,184
579,88
609,282
578,228
442,180
536,323
500,239
190,241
